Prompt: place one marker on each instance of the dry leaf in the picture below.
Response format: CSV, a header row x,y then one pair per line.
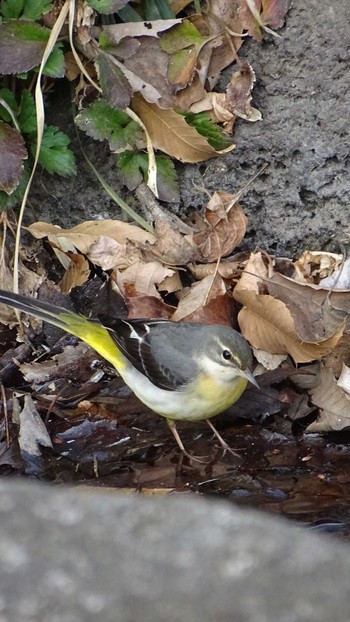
x,y
146,71
333,402
148,307
340,277
239,93
344,379
108,254
227,269
216,104
116,32
29,282
268,324
254,14
60,366
87,233
142,279
171,283
77,273
315,265
206,302
314,316
226,225
171,246
32,431
339,355
192,93
268,360
170,133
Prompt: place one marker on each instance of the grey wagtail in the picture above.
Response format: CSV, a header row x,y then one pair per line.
x,y
181,371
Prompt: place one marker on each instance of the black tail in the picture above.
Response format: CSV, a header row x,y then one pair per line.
x,y
43,310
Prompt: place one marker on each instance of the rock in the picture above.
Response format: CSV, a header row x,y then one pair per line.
x,y
81,556
301,201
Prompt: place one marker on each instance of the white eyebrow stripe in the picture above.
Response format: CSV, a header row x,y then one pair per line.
x,y
226,347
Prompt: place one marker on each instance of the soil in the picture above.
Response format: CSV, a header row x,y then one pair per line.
x,y
302,200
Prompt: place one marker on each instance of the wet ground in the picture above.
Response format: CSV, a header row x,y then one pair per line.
x,y
110,440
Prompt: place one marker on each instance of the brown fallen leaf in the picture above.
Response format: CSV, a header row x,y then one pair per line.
x,y
116,32
314,315
194,92
142,279
267,360
148,307
171,247
29,281
33,434
221,18
339,355
344,380
333,402
239,93
170,133
87,233
146,70
106,243
77,273
217,106
184,44
229,270
206,302
312,266
256,14
77,357
339,278
225,226
108,253
267,322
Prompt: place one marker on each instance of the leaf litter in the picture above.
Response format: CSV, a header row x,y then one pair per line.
x,y
81,424
101,434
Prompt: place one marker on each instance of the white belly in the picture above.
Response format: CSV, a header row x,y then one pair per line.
x,y
187,405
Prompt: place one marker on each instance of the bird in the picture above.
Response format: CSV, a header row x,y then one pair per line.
x,y
180,370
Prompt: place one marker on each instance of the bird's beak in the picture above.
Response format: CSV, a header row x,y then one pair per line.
x,y
246,373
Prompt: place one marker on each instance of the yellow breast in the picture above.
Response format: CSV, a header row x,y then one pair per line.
x,y
214,396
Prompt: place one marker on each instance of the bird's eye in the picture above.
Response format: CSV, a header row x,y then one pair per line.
x,y
227,355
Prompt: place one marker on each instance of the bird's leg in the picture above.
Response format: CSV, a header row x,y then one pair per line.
x,y
172,425
223,443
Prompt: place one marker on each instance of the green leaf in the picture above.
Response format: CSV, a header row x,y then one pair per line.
x,y
102,122
22,44
150,10
10,99
34,9
26,9
8,201
55,156
168,187
214,134
180,37
54,66
27,113
107,6
133,166
11,9
164,8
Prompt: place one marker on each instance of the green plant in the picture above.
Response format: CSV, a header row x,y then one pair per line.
x,y
22,43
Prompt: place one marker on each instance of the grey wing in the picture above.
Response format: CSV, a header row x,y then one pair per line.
x,y
154,349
